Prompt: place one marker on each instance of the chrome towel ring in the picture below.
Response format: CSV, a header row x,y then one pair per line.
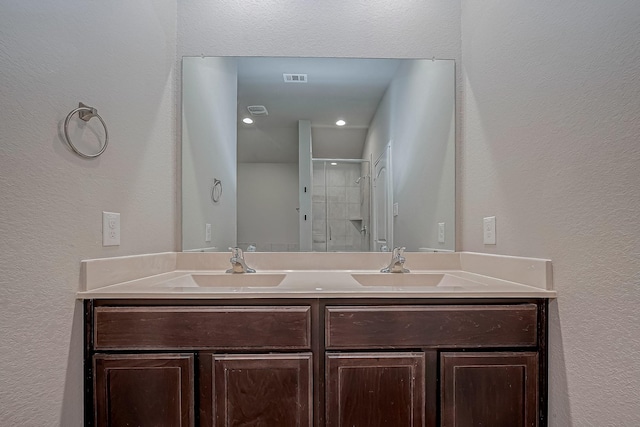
x,y
216,190
86,113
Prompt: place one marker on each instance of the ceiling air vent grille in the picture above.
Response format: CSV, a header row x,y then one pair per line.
x,y
294,78
257,110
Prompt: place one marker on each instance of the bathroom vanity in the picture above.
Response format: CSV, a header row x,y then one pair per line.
x,y
465,349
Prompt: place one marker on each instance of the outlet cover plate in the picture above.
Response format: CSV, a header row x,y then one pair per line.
x,y
489,230
110,229
441,232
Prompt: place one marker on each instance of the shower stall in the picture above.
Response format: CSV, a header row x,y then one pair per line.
x,y
341,197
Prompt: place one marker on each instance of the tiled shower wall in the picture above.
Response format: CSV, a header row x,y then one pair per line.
x,y
338,206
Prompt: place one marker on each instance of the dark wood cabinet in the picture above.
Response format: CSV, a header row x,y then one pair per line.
x,y
489,389
256,390
424,326
144,390
197,328
375,389
316,362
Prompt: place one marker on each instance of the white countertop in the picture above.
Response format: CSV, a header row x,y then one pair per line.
x,y
186,276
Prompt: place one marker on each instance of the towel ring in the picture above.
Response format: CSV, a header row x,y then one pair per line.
x,y
85,113
216,190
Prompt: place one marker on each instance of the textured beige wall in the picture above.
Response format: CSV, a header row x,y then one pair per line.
x,y
551,146
375,29
118,56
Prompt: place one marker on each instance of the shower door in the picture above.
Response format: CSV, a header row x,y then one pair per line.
x,y
340,211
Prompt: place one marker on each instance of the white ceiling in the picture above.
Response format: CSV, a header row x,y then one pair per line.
x,y
337,88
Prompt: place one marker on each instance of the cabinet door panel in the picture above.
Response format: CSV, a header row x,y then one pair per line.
x,y
256,390
489,389
151,390
375,389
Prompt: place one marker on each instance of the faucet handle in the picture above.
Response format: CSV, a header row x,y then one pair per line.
x,y
398,251
397,262
238,264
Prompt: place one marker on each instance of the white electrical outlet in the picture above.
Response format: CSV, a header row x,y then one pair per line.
x,y
441,232
489,230
207,232
110,229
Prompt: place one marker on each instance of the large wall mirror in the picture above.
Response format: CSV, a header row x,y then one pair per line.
x,y
318,154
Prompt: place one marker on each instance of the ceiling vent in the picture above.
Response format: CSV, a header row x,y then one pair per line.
x,y
294,78
257,110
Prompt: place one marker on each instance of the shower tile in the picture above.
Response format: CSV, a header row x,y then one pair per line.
x,y
354,233
319,226
353,227
279,247
355,244
318,177
337,194
318,211
353,194
336,248
353,211
337,210
350,226
336,178
319,247
319,238
339,242
338,228
263,247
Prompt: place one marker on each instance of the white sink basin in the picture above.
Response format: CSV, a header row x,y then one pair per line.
x,y
247,280
398,279
226,280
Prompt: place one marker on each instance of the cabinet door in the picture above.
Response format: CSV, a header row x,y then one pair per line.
x,y
262,390
489,389
375,389
151,390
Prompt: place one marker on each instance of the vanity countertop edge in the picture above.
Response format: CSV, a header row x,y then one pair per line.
x,y
173,275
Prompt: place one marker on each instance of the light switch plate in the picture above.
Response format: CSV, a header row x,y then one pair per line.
x,y
395,209
489,230
441,232
207,232
110,229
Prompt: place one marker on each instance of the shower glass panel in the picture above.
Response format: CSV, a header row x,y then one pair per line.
x,y
341,205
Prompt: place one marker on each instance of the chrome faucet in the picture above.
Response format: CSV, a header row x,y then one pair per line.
x,y
238,265
397,262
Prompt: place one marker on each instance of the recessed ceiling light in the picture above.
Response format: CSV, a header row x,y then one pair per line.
x,y
334,164
341,123
247,120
